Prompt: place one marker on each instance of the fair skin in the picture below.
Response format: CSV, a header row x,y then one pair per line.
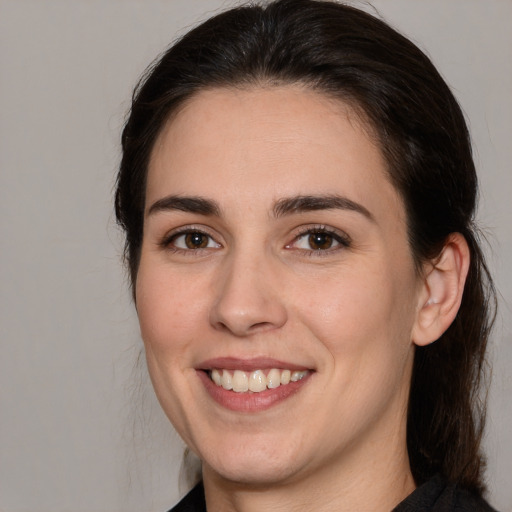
x,y
248,275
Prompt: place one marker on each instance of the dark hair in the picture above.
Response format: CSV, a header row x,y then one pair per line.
x,y
348,54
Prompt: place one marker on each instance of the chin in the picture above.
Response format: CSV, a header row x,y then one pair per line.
x,y
252,466
254,474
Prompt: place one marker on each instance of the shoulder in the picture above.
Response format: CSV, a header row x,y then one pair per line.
x,y
466,501
192,502
438,496
433,496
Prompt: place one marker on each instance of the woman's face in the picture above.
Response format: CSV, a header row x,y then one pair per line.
x,y
275,247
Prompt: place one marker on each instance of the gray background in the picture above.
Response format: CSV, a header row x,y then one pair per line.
x,y
79,427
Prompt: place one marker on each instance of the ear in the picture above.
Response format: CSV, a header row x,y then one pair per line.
x,y
441,292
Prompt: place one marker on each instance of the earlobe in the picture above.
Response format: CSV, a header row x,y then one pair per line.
x,y
442,289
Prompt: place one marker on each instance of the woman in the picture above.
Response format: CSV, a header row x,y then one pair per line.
x,y
297,191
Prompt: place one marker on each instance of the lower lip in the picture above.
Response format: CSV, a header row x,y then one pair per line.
x,y
249,401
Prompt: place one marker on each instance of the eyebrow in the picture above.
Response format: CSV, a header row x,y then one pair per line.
x,y
283,207
188,204
300,204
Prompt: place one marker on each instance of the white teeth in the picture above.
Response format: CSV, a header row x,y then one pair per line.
x,y
216,377
285,376
297,376
273,378
226,381
240,381
256,381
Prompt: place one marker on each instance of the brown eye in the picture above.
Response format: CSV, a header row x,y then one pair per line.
x,y
196,240
320,241
191,241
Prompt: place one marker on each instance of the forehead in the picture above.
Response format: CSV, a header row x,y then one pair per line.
x,y
285,141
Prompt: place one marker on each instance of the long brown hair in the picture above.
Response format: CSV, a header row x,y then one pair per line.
x,y
348,54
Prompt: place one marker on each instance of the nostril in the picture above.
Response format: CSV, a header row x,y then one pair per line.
x,y
261,326
244,329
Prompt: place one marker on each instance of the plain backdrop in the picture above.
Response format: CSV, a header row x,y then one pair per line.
x,y
79,426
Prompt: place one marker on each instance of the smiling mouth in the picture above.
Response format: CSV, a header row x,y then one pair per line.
x,y
255,381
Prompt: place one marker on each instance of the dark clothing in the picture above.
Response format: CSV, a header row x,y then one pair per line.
x,y
192,502
437,496
433,496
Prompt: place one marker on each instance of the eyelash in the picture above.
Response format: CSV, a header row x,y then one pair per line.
x,y
167,242
340,238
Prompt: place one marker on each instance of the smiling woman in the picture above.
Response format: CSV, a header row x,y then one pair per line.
x,y
298,193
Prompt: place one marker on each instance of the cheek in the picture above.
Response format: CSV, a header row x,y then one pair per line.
x,y
169,308
359,313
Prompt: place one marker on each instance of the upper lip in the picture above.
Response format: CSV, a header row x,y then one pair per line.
x,y
248,365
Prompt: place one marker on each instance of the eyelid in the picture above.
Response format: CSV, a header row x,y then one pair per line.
x,y
343,240
339,236
170,236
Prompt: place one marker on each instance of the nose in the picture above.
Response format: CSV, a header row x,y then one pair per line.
x,y
247,299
